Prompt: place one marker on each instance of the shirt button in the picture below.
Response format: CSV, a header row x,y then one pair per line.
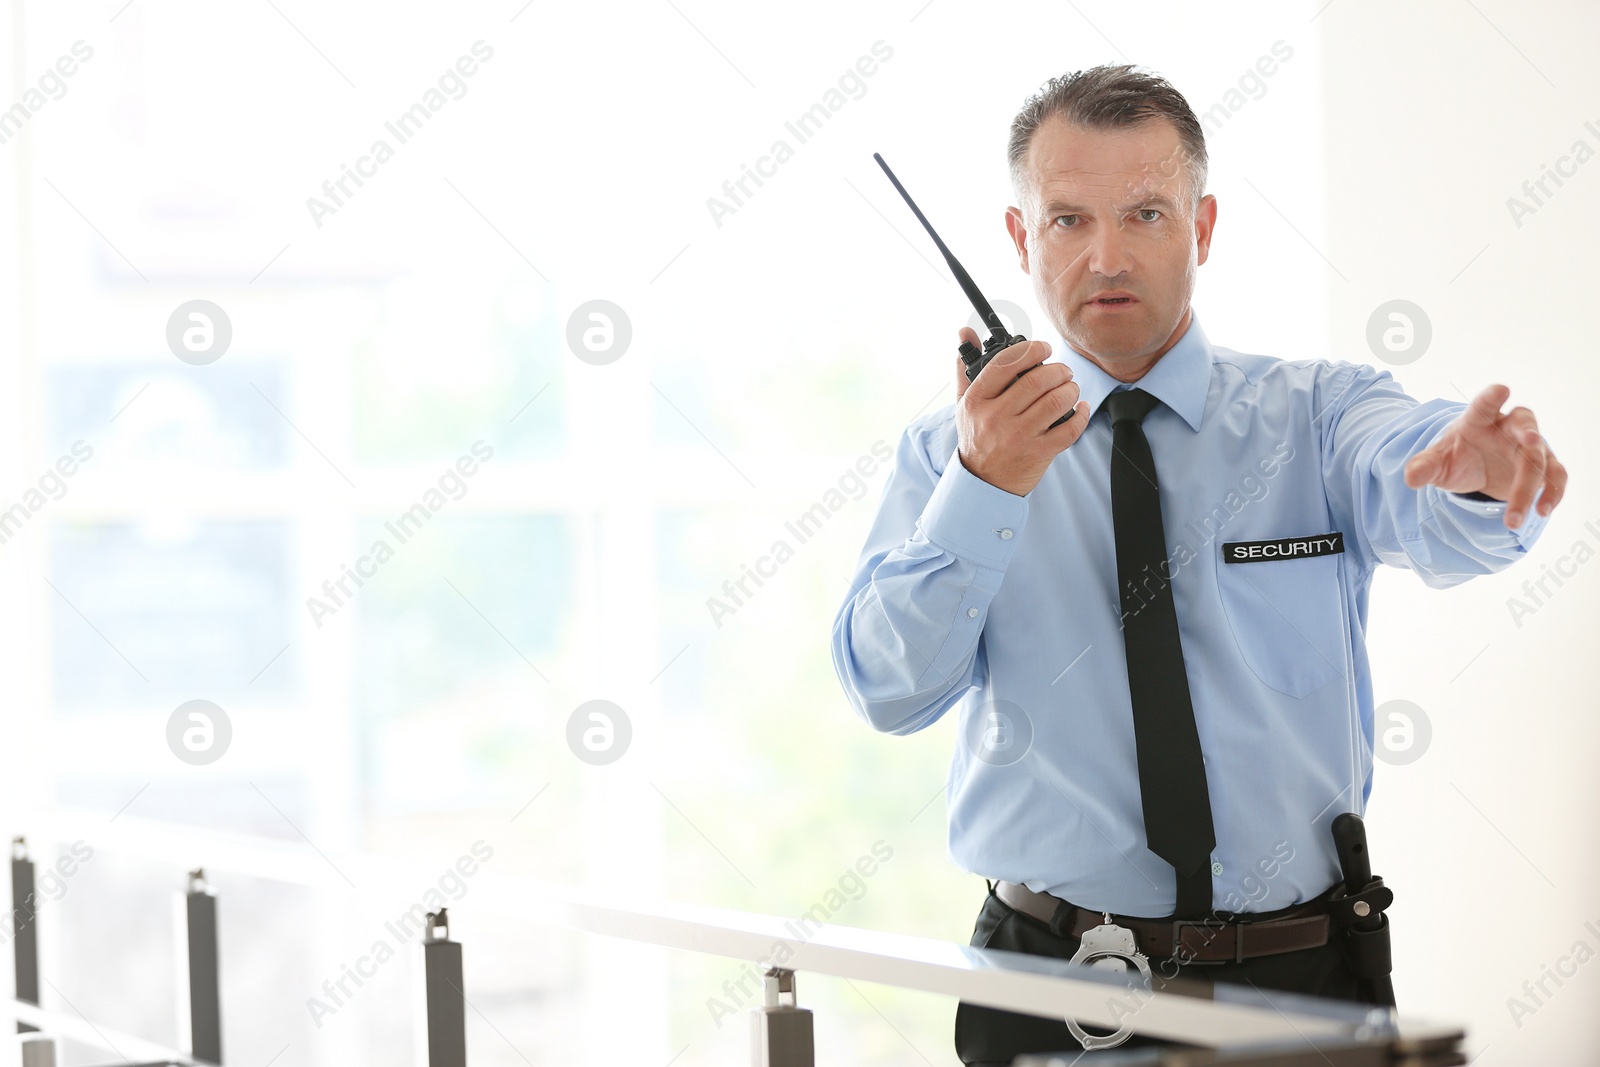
x,y
972,613
1216,868
1005,535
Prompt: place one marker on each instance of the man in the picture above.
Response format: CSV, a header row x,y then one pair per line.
x,y
1151,618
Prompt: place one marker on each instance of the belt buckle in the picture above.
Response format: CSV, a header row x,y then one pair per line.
x,y
1177,941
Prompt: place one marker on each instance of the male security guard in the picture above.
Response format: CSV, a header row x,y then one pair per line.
x,y
1152,618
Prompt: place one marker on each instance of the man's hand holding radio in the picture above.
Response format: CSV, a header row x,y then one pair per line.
x,y
1003,416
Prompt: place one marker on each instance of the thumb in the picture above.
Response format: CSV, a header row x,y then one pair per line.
x,y
1424,467
967,333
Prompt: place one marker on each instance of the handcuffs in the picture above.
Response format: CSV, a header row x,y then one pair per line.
x,y
1109,947
1357,905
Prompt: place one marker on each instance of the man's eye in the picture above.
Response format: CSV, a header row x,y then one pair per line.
x,y
1149,211
1069,225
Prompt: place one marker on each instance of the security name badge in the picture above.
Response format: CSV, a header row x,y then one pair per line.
x,y
1328,544
1109,947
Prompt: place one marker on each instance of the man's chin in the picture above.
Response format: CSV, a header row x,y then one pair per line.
x,y
1112,342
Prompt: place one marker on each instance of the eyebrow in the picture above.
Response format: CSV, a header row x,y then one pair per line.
x,y
1054,206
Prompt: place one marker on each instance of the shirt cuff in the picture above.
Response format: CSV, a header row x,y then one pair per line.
x,y
971,519
1491,513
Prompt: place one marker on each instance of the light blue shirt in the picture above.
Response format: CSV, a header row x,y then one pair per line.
x,y
1006,608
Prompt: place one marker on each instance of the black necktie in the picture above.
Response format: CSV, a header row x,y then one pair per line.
x,y
1172,777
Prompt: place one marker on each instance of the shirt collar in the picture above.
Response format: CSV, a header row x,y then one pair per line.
x,y
1180,379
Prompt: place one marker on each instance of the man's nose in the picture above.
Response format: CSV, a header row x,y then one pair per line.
x,y
1109,254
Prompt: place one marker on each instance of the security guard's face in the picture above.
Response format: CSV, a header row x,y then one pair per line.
x,y
1110,232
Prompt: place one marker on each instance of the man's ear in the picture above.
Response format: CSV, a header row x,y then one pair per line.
x,y
1019,235
1205,221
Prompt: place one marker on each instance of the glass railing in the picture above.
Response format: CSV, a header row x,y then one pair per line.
x,y
1230,1024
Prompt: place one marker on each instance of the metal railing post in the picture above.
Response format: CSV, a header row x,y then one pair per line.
x,y
447,1010
24,931
780,1030
38,1051
205,991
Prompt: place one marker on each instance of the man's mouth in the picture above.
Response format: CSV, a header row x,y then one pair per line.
x,y
1113,300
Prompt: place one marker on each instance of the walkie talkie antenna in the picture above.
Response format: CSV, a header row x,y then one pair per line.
x,y
985,312
973,359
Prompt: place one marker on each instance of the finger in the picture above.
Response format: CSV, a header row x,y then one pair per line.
x,y
1007,364
1484,411
966,333
1020,364
1033,383
1072,429
1555,483
1051,405
1529,475
1024,354
1520,425
1424,468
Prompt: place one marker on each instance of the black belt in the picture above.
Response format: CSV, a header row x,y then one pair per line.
x,y
1210,940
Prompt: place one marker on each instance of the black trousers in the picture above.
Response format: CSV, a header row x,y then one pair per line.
x,y
988,1037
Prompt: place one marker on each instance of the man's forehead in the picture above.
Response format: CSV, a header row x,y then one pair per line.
x,y
1125,185
1137,162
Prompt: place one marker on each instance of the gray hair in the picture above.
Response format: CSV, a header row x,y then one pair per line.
x,y
1110,98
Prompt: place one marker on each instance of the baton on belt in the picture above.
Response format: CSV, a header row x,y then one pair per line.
x,y
1358,906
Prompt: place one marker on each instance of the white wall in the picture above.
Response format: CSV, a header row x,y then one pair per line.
x,y
1435,114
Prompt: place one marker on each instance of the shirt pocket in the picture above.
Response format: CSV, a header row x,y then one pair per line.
x,y
1287,616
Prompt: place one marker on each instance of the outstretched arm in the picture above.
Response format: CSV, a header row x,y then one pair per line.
x,y
1501,456
1426,485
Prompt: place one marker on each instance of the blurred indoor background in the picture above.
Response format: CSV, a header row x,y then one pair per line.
x,y
594,478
